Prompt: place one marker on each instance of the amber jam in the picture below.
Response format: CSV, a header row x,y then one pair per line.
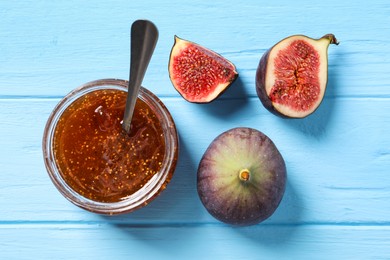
x,y
97,165
96,157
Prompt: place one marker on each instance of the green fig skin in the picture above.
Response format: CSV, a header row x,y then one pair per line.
x,y
241,177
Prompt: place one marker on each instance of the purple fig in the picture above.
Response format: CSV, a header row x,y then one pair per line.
x,y
241,177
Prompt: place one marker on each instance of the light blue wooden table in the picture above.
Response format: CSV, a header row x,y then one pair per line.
x,y
337,202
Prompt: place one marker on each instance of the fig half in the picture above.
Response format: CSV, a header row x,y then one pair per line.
x,y
241,177
200,75
291,77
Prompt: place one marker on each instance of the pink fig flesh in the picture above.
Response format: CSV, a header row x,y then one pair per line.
x,y
291,77
197,73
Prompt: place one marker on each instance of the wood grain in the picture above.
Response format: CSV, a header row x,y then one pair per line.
x,y
338,159
51,47
335,161
195,242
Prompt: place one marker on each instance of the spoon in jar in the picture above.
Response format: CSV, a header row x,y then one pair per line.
x,y
144,35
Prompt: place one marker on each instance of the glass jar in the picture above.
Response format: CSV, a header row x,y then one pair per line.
x,y
150,189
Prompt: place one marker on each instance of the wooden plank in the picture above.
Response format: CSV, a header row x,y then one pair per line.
x,y
337,161
336,204
51,48
106,241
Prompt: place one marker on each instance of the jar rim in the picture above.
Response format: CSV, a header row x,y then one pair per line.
x,y
145,194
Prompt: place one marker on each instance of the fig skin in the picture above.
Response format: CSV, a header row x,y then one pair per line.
x,y
260,85
229,68
241,177
262,70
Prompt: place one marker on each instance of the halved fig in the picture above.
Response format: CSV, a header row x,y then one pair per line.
x,y
291,77
200,75
241,177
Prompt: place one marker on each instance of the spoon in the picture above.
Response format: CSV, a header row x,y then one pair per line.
x,y
144,35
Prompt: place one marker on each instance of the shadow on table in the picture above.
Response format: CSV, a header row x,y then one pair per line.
x,y
172,221
179,202
237,96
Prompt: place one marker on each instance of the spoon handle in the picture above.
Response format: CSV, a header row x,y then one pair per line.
x,y
144,35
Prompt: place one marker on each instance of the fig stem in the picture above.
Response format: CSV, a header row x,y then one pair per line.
x,y
244,175
332,39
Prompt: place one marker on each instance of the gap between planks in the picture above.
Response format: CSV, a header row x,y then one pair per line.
x,y
38,223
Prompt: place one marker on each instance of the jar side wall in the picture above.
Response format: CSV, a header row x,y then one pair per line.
x,y
142,196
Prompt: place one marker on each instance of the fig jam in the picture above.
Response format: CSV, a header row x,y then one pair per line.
x,y
96,157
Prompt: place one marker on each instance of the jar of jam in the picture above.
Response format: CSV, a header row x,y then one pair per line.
x,y
94,163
